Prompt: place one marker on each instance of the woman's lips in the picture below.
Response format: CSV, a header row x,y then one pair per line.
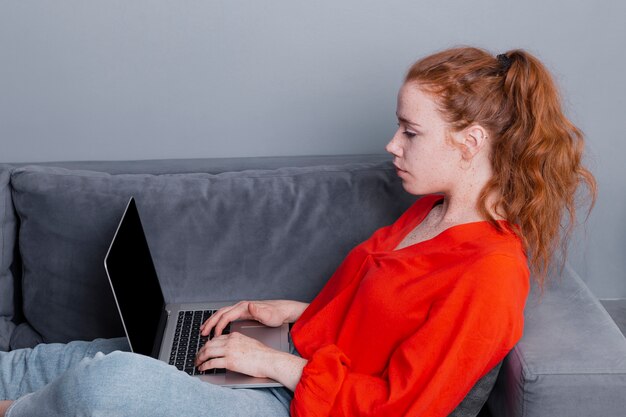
x,y
398,170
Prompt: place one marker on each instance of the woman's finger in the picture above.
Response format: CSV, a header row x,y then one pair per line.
x,y
266,313
261,312
235,352
205,329
239,311
255,311
223,321
211,350
213,363
212,322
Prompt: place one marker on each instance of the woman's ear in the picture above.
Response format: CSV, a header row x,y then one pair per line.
x,y
472,139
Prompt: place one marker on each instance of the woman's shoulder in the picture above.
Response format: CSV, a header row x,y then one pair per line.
x,y
498,273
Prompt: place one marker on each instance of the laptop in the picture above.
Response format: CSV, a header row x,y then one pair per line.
x,y
170,332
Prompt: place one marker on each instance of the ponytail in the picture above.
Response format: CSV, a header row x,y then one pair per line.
x,y
536,151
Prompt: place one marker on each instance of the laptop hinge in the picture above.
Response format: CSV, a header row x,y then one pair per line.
x,y
159,333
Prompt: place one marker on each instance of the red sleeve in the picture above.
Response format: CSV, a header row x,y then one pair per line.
x,y
429,373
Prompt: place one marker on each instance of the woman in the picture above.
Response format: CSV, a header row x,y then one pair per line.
x,y
416,314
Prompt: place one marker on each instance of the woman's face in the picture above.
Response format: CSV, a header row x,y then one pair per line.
x,y
425,159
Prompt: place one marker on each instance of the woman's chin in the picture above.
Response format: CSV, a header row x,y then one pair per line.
x,y
416,189
411,189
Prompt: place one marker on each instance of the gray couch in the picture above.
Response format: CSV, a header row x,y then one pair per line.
x,y
229,229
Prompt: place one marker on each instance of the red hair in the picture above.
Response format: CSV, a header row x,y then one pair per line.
x,y
536,151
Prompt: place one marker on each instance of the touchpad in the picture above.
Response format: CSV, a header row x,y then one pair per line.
x,y
269,336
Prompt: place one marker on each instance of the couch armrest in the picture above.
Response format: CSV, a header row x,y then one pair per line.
x,y
571,360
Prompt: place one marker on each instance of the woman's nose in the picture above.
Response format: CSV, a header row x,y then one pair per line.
x,y
393,147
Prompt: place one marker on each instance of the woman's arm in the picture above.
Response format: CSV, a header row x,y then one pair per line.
x,y
467,332
286,369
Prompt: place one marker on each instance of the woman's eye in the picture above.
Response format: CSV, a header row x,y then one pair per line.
x,y
406,132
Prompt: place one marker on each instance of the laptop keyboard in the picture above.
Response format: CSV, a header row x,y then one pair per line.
x,y
187,341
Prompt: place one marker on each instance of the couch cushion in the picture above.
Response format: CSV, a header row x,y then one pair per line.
x,y
571,360
252,234
473,402
7,245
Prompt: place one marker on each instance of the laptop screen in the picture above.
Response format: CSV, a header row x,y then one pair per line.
x,y
135,284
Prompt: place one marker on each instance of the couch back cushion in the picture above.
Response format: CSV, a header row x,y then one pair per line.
x,y
8,233
251,234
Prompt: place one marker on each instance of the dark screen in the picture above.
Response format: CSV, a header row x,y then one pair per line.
x,y
135,282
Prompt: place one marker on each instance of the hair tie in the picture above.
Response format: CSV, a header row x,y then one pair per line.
x,y
505,62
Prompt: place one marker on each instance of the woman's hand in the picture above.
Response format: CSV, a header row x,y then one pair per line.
x,y
235,352
243,354
272,313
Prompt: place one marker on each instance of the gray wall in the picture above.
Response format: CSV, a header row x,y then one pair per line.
x,y
145,79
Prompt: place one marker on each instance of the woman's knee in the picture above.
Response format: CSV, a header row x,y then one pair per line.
x,y
110,382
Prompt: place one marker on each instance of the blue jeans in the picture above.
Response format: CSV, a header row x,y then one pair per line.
x,y
100,378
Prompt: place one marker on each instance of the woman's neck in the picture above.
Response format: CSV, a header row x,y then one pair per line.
x,y
457,209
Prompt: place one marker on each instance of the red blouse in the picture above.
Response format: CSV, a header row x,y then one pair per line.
x,y
409,332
